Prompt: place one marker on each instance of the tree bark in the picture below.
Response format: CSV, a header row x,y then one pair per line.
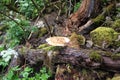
x,y
87,10
75,57
68,64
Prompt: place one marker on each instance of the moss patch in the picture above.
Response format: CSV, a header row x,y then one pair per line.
x,y
43,46
116,78
103,36
77,40
98,19
116,25
47,47
115,56
117,43
95,56
42,32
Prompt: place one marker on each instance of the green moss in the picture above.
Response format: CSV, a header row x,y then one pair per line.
x,y
117,43
115,56
42,46
84,72
103,36
52,48
101,17
47,47
108,54
95,56
116,78
109,8
77,40
42,31
98,19
116,25
23,50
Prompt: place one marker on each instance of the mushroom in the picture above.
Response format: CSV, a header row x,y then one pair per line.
x,y
58,41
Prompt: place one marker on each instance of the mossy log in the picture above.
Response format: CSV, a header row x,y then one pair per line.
x,y
85,58
70,60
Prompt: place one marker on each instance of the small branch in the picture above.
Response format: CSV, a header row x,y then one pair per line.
x,y
90,22
98,19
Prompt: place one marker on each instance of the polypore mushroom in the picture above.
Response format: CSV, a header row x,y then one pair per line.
x,y
57,41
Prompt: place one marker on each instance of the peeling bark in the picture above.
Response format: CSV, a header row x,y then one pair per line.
x,y
82,15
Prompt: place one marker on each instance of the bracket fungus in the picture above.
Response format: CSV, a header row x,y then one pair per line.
x,y
58,41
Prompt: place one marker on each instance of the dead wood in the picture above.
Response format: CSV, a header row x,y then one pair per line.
x,y
82,15
68,63
82,58
100,18
77,58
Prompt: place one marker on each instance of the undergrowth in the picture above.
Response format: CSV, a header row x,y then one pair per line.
x,y
15,73
19,73
18,33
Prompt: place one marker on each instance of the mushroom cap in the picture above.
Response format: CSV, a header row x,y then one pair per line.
x,y
57,41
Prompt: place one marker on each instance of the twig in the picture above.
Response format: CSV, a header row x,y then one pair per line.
x,y
98,18
90,22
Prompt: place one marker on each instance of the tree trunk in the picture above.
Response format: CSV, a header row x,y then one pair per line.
x,y
88,9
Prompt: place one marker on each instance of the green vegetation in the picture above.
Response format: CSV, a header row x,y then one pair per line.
x,y
103,36
76,40
95,56
18,33
77,5
15,73
115,56
22,27
98,19
116,25
47,47
29,9
16,18
43,31
116,78
6,56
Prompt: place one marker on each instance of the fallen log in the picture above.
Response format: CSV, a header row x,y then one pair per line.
x,y
76,59
92,59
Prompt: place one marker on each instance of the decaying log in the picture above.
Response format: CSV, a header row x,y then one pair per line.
x,y
81,58
69,62
74,57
